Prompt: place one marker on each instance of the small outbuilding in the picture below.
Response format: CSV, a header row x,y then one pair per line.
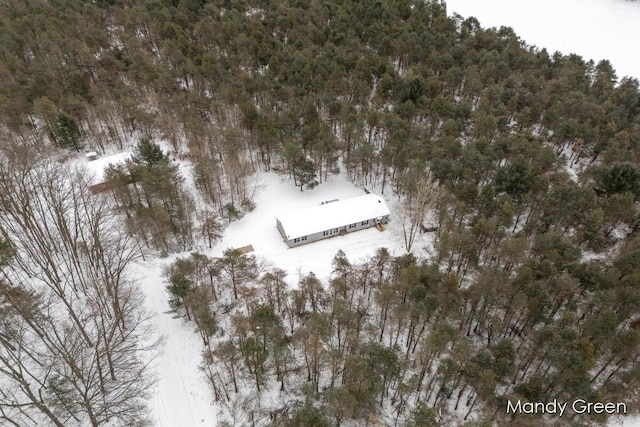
x,y
336,217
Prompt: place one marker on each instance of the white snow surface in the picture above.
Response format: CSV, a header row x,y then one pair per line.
x,y
277,194
182,397
594,29
333,214
96,167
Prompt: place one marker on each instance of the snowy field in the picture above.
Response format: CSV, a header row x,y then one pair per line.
x,y
594,29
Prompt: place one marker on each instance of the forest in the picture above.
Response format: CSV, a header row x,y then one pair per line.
x,y
528,162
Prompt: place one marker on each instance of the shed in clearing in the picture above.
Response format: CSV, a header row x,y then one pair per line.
x,y
331,219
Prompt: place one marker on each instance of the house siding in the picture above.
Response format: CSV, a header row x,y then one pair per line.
x,y
344,229
280,229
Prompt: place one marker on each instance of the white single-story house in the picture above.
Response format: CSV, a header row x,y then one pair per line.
x,y
332,218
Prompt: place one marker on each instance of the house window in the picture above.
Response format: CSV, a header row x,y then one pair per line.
x,y
303,238
296,240
365,222
352,226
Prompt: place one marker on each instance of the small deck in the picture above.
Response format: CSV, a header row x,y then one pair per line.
x,y
245,249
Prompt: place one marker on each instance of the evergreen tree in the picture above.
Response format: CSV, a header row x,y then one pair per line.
x,y
66,133
148,153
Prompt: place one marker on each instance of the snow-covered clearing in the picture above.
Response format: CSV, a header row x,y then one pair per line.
x,y
276,195
96,167
182,397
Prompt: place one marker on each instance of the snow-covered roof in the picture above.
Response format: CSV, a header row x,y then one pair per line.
x,y
333,215
96,167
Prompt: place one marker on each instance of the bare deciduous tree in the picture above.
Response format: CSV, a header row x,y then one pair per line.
x,y
417,202
75,345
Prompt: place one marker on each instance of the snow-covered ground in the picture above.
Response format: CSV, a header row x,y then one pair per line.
x,y
96,167
276,195
594,29
182,397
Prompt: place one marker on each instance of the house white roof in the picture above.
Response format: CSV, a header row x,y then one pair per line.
x,y
96,167
333,215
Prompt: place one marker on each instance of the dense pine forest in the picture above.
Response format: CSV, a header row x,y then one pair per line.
x,y
527,162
